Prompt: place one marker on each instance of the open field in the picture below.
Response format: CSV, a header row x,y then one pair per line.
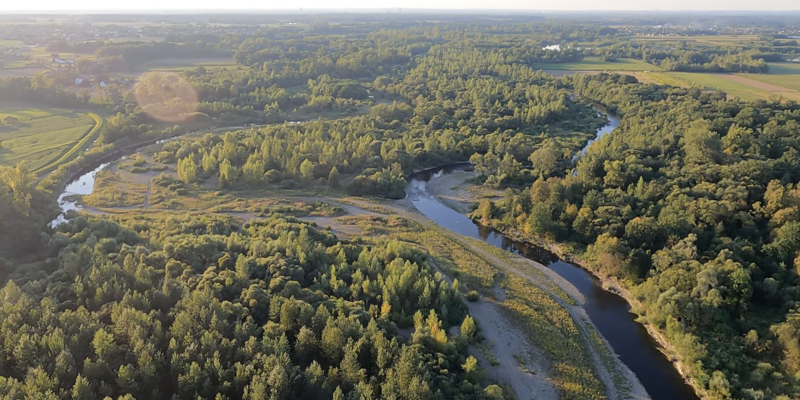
x,y
43,137
716,40
782,81
596,64
784,68
663,78
733,87
9,43
177,64
22,72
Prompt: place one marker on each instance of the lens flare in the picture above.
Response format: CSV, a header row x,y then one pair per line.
x,y
166,96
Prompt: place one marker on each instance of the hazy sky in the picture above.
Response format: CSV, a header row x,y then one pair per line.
x,y
39,5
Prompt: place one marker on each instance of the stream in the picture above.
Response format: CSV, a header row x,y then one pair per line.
x,y
609,312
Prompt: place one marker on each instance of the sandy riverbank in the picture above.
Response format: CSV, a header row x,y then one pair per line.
x,y
455,191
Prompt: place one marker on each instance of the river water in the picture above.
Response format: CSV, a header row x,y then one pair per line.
x,y
609,312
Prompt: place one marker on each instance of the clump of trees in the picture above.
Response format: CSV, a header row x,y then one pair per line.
x,y
197,307
692,202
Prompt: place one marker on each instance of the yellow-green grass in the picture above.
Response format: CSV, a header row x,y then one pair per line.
x,y
664,78
718,82
788,81
10,43
596,64
705,39
78,148
42,136
784,68
179,65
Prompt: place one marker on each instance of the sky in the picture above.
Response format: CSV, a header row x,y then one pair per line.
x,y
566,5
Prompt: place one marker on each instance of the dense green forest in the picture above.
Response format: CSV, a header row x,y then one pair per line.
x,y
692,202
200,308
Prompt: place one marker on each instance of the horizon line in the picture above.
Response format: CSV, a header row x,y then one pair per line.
x,y
399,10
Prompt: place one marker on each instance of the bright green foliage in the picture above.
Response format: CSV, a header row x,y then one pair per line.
x,y
153,307
693,203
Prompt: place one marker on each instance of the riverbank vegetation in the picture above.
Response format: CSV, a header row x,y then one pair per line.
x,y
544,321
197,306
690,204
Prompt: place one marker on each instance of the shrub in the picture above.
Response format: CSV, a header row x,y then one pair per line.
x,y
473,296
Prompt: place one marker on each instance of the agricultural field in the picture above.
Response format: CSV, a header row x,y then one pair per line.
x,y
786,81
179,65
714,40
45,138
784,68
734,85
9,43
663,78
596,64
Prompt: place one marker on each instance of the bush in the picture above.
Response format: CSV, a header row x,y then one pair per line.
x,y
473,296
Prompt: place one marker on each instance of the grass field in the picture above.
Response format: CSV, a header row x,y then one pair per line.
x,y
663,78
787,81
784,68
717,82
178,65
716,40
43,137
9,43
596,64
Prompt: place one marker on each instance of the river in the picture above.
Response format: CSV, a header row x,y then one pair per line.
x,y
609,312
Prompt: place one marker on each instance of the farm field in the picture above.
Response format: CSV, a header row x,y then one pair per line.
x,y
663,78
44,137
596,64
784,68
731,84
716,40
178,65
787,81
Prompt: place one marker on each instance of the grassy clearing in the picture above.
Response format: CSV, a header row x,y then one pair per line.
x,y
664,78
457,261
519,264
553,331
42,136
112,191
10,43
716,82
716,40
596,64
76,150
784,68
545,322
179,65
788,81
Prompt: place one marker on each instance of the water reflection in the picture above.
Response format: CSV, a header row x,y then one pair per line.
x,y
609,312
81,186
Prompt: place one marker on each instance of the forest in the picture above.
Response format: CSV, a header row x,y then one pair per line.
x,y
692,204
